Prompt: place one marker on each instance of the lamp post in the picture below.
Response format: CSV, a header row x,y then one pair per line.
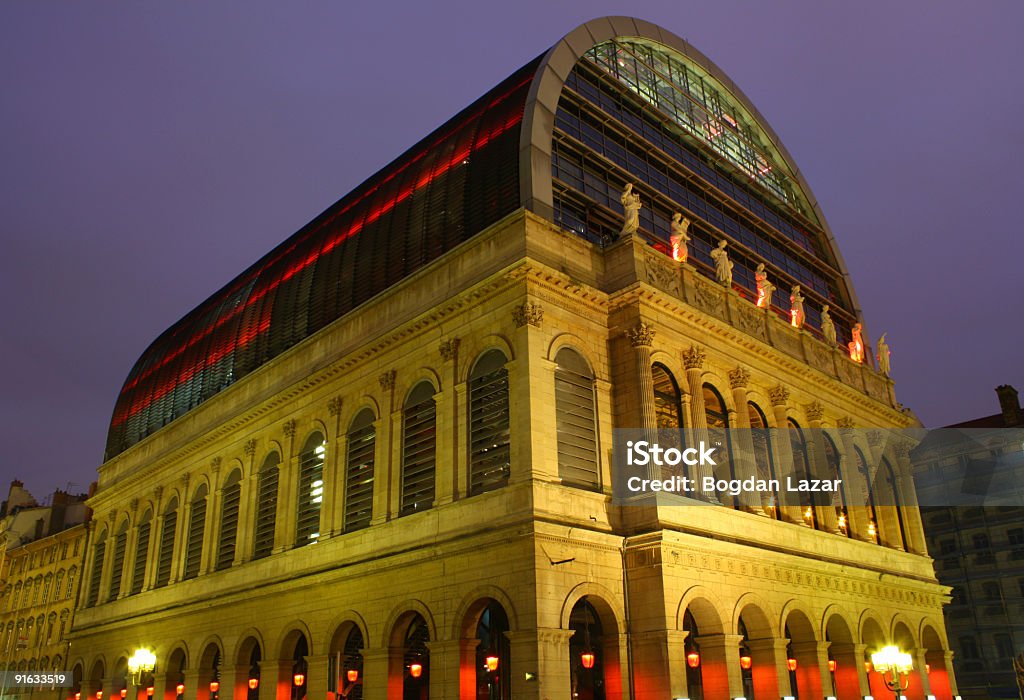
x,y
894,665
143,661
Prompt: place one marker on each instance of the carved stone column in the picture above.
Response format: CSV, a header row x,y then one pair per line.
x,y
908,497
181,532
108,560
448,659
640,338
382,673
540,663
156,528
451,458
334,476
249,487
211,526
812,675
851,681
721,675
768,667
743,442
533,449
387,458
317,682
130,545
693,361
789,507
889,531
825,506
284,530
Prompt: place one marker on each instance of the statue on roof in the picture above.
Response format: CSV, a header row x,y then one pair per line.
x,y
828,328
796,307
631,209
679,237
883,356
723,266
857,344
765,289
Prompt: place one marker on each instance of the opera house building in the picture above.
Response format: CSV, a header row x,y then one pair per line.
x,y
381,461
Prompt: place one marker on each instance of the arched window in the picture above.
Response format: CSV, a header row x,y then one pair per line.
x,y
761,437
231,496
266,506
71,582
170,525
58,580
362,441
141,552
586,660
46,587
862,471
117,568
718,432
196,533
419,437
494,649
488,423
839,499
311,490
99,553
416,653
575,419
801,470
893,488
668,408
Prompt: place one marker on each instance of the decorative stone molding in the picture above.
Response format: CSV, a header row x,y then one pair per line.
x,y
449,349
215,465
111,516
641,336
528,313
750,320
334,406
903,448
387,380
708,298
846,423
874,438
133,505
184,479
693,358
815,411
158,492
779,395
739,378
250,447
662,276
289,428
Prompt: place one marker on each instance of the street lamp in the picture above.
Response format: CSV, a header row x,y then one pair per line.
x,y
894,665
143,661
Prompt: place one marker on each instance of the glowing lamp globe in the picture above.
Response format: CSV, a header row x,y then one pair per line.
x,y
746,662
149,691
99,695
791,664
124,692
352,675
890,658
587,659
214,686
78,696
254,683
299,679
180,689
492,662
415,670
832,665
693,659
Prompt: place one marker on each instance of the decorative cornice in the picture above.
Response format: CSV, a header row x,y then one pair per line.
x,y
387,380
528,313
641,336
739,378
815,411
449,349
289,428
693,357
334,406
779,395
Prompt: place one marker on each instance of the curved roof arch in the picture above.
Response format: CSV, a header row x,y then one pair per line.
x,y
489,160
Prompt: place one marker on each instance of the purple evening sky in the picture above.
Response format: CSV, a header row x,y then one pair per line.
x,y
151,151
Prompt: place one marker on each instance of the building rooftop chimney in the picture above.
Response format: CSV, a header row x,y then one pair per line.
x,y
1009,402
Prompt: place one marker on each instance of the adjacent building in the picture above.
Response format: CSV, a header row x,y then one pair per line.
x,y
978,545
43,548
379,462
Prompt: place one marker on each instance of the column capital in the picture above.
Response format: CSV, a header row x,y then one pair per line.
x,y
528,313
739,378
334,405
641,335
815,411
693,358
779,395
449,349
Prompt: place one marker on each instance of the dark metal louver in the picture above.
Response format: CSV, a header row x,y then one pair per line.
x,y
362,441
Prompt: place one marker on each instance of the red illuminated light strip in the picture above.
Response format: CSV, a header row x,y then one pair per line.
x,y
295,269
427,178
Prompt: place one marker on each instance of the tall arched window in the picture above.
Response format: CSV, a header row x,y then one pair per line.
x,y
266,506
760,435
892,486
196,533
58,581
862,471
488,423
141,552
575,419
718,432
801,470
419,443
311,490
668,410
72,573
167,530
362,442
838,499
99,553
117,566
231,496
